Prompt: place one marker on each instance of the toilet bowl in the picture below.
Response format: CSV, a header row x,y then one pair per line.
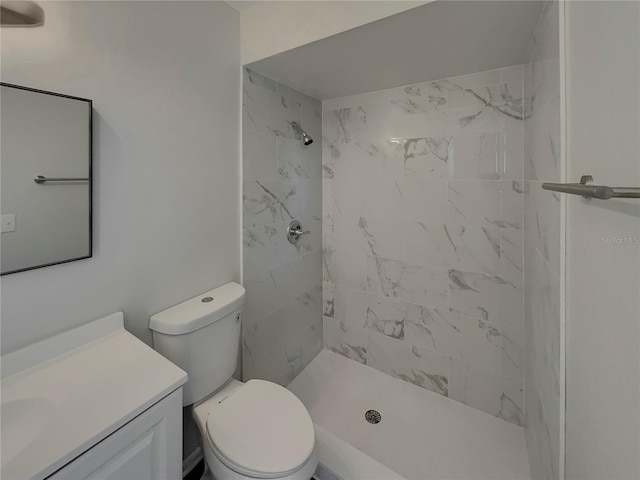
x,y
249,430
256,430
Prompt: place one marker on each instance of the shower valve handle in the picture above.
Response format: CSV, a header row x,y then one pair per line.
x,y
294,232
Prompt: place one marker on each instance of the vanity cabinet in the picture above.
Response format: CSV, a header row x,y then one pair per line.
x,y
149,447
91,403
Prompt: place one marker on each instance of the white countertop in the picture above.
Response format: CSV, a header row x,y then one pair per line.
x,y
65,394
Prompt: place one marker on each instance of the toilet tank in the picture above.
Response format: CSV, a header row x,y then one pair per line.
x,y
202,336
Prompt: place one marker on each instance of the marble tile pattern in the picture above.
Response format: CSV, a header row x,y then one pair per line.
x,y
544,377
282,181
423,212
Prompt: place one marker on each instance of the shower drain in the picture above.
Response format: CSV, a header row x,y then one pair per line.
x,y
372,416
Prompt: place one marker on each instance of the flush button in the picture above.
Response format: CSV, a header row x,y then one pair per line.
x,y
207,299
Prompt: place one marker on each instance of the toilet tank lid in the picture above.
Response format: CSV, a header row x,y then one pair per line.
x,y
199,311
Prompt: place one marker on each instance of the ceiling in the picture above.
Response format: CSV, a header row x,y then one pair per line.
x,y
431,42
240,5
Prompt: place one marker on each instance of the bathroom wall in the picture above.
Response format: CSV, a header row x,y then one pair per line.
x,y
603,242
544,239
166,158
423,215
282,181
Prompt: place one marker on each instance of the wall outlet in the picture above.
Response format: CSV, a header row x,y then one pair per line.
x,y
8,223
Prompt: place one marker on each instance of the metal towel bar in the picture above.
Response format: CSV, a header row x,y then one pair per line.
x,y
41,179
587,189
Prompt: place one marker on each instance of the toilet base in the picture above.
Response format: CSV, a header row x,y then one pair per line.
x,y
214,468
219,471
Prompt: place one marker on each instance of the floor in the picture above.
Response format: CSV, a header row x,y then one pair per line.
x,y
421,435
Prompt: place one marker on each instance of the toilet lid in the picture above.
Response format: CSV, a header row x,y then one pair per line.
x,y
261,430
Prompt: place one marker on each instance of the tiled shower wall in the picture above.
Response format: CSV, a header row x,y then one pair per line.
x,y
544,377
282,181
423,216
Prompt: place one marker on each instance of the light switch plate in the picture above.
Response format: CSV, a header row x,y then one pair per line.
x,y
8,223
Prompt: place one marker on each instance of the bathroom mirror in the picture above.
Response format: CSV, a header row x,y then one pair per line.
x,y
45,173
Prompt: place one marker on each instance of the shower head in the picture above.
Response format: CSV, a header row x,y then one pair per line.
x,y
306,139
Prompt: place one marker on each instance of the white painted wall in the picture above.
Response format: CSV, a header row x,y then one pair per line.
x,y
44,135
272,27
603,269
165,81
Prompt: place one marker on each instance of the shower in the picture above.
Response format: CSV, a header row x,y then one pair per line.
x,y
306,139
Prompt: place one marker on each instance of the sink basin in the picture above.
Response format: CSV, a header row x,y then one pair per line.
x,y
63,395
22,421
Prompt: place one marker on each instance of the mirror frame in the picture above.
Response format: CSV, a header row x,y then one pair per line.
x,y
90,104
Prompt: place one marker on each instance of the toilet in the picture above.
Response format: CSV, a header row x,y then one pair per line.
x,y
251,430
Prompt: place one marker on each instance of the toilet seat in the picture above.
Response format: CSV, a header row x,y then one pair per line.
x,y
261,430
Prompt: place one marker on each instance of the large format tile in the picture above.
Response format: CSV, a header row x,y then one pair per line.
x,y
474,203
543,142
489,297
543,322
371,236
475,157
295,160
422,200
311,198
267,112
542,260
364,310
490,108
345,268
348,341
486,203
482,390
470,248
544,222
470,339
511,155
413,283
311,118
382,198
265,247
282,328
427,158
340,196
341,125
423,219
366,159
277,347
424,368
267,202
511,254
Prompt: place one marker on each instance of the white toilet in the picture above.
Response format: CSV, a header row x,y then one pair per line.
x,y
249,430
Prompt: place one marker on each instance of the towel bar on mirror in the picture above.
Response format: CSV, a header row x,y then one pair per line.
x,y
41,179
587,189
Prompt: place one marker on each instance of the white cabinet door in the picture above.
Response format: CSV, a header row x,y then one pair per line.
x,y
149,447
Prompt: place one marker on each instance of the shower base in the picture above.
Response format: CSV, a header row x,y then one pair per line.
x,y
419,435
